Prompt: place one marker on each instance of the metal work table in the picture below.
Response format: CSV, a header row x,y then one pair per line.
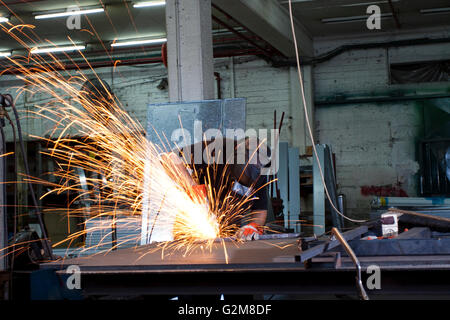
x,y
273,266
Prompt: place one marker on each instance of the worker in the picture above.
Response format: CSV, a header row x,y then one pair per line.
x,y
240,180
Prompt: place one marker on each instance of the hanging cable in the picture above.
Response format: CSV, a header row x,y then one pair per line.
x,y
3,138
302,90
45,238
6,115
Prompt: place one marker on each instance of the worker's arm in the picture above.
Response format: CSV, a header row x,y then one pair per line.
x,y
259,217
256,219
254,227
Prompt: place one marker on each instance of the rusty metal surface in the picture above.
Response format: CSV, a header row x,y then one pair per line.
x,y
220,254
281,254
270,266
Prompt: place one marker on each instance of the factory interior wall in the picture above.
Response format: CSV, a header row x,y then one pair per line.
x,y
265,89
375,143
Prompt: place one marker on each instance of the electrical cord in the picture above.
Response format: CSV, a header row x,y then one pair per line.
x,y
3,137
46,245
6,115
302,90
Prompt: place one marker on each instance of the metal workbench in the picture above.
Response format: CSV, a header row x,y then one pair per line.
x,y
263,267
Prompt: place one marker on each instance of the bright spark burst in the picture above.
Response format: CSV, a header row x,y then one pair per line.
x,y
113,152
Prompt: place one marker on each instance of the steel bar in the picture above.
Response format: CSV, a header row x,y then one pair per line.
x,y
401,247
221,253
420,219
142,271
294,189
415,233
314,282
330,180
318,191
274,236
3,213
410,202
400,262
330,244
355,260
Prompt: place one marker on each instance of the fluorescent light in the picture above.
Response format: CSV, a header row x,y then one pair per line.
x,y
435,11
352,19
367,3
68,13
149,4
5,54
57,49
138,42
3,19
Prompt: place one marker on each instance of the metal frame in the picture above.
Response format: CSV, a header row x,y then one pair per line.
x,y
3,211
283,179
280,278
348,249
294,189
251,283
319,192
326,272
325,159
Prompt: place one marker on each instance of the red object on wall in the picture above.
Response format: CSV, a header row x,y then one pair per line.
x,y
384,191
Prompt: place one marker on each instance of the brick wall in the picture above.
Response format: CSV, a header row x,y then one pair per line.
x,y
265,89
374,142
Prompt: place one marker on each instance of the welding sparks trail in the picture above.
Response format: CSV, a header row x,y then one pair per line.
x,y
113,152
119,162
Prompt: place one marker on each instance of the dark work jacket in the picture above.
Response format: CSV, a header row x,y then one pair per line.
x,y
225,176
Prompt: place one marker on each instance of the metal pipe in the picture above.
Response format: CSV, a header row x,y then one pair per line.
x,y
158,59
410,202
348,249
3,213
232,84
342,205
283,62
45,238
381,99
218,79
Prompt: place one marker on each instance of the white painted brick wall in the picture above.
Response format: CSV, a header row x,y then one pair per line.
x,y
372,146
265,89
373,142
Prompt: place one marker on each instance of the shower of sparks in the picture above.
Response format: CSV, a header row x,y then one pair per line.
x,y
111,148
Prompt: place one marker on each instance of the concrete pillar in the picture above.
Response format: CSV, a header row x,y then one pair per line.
x,y
299,131
189,50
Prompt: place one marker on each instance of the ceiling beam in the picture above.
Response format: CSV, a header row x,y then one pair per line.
x,y
395,15
270,21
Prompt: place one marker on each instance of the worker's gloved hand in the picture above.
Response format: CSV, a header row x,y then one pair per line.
x,y
251,231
